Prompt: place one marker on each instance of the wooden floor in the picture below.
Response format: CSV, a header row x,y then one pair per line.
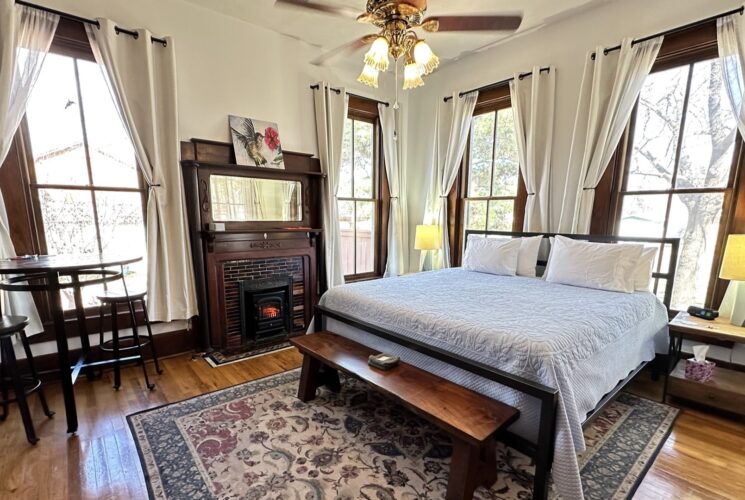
x,y
703,458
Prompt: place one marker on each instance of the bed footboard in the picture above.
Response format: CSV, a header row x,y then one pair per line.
x,y
541,451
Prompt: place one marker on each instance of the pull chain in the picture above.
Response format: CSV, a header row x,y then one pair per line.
x,y
395,104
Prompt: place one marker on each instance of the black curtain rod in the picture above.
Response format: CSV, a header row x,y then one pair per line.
x,y
674,31
338,91
497,84
72,17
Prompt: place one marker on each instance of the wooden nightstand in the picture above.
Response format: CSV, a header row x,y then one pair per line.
x,y
726,390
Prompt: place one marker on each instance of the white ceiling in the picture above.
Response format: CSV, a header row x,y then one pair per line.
x,y
327,31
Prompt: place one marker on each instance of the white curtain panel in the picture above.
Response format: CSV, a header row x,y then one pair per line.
x,y
451,135
610,87
397,220
731,40
25,37
331,115
142,77
533,99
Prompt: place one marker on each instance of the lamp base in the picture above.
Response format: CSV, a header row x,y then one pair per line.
x,y
733,303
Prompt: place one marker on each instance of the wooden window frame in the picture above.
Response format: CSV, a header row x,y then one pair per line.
x,y
489,101
366,110
685,48
22,202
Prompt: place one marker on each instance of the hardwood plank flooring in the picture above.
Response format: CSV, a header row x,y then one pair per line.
x,y
702,459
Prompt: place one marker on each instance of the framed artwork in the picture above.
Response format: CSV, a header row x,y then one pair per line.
x,y
256,142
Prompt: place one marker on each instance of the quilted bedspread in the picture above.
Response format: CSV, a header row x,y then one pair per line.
x,y
578,340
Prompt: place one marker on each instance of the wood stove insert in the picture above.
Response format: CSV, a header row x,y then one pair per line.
x,y
266,309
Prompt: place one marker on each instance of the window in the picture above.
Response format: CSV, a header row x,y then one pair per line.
x,y
493,174
358,199
679,175
84,180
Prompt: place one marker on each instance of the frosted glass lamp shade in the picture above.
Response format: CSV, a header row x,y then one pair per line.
x,y
427,237
377,56
733,262
369,76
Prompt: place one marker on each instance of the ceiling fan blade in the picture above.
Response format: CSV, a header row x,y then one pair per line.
x,y
471,23
338,10
343,49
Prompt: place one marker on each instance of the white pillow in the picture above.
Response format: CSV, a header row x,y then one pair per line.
x,y
492,256
593,265
527,256
643,273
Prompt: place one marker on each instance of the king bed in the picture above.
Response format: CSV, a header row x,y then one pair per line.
x,y
556,352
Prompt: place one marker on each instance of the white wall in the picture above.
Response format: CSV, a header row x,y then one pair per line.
x,y
228,66
563,45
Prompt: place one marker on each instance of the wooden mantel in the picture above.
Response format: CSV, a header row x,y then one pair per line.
x,y
220,256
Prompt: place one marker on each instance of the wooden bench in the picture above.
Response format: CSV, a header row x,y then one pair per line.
x,y
471,419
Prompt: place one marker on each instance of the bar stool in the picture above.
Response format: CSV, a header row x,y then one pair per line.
x,y
113,300
9,326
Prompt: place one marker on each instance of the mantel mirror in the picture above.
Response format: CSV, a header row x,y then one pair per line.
x,y
253,199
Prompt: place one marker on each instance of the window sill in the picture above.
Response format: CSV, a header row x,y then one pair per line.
x,y
366,277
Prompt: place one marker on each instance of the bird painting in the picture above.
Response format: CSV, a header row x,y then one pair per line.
x,y
256,142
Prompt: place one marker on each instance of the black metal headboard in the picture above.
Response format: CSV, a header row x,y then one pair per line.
x,y
673,244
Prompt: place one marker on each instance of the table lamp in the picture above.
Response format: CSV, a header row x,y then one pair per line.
x,y
427,238
733,269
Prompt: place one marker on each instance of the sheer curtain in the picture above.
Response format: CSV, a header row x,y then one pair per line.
x,y
397,221
532,100
142,76
610,87
25,37
731,40
451,135
331,115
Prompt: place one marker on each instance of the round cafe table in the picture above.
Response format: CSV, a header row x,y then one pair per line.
x,y
52,268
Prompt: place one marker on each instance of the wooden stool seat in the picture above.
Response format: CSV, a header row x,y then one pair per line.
x,y
119,297
472,420
10,325
22,385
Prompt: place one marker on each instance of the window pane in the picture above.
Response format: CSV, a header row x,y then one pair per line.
x,y
694,218
643,216
54,125
710,128
476,215
656,130
112,155
481,154
501,215
346,226
68,221
363,160
365,237
506,163
345,176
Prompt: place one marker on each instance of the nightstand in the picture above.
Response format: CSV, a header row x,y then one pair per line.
x,y
726,390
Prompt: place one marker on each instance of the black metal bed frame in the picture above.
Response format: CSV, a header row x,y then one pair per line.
x,y
542,451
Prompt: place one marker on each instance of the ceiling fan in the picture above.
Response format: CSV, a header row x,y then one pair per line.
x,y
396,20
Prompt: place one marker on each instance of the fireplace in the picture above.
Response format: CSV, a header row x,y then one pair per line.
x,y
266,308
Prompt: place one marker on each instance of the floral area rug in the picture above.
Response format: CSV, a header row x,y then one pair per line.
x,y
257,440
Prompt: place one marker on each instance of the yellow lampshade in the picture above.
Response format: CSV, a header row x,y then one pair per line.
x,y
733,263
427,237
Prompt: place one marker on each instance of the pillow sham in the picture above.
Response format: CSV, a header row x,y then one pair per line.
x,y
602,266
527,256
492,256
643,272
